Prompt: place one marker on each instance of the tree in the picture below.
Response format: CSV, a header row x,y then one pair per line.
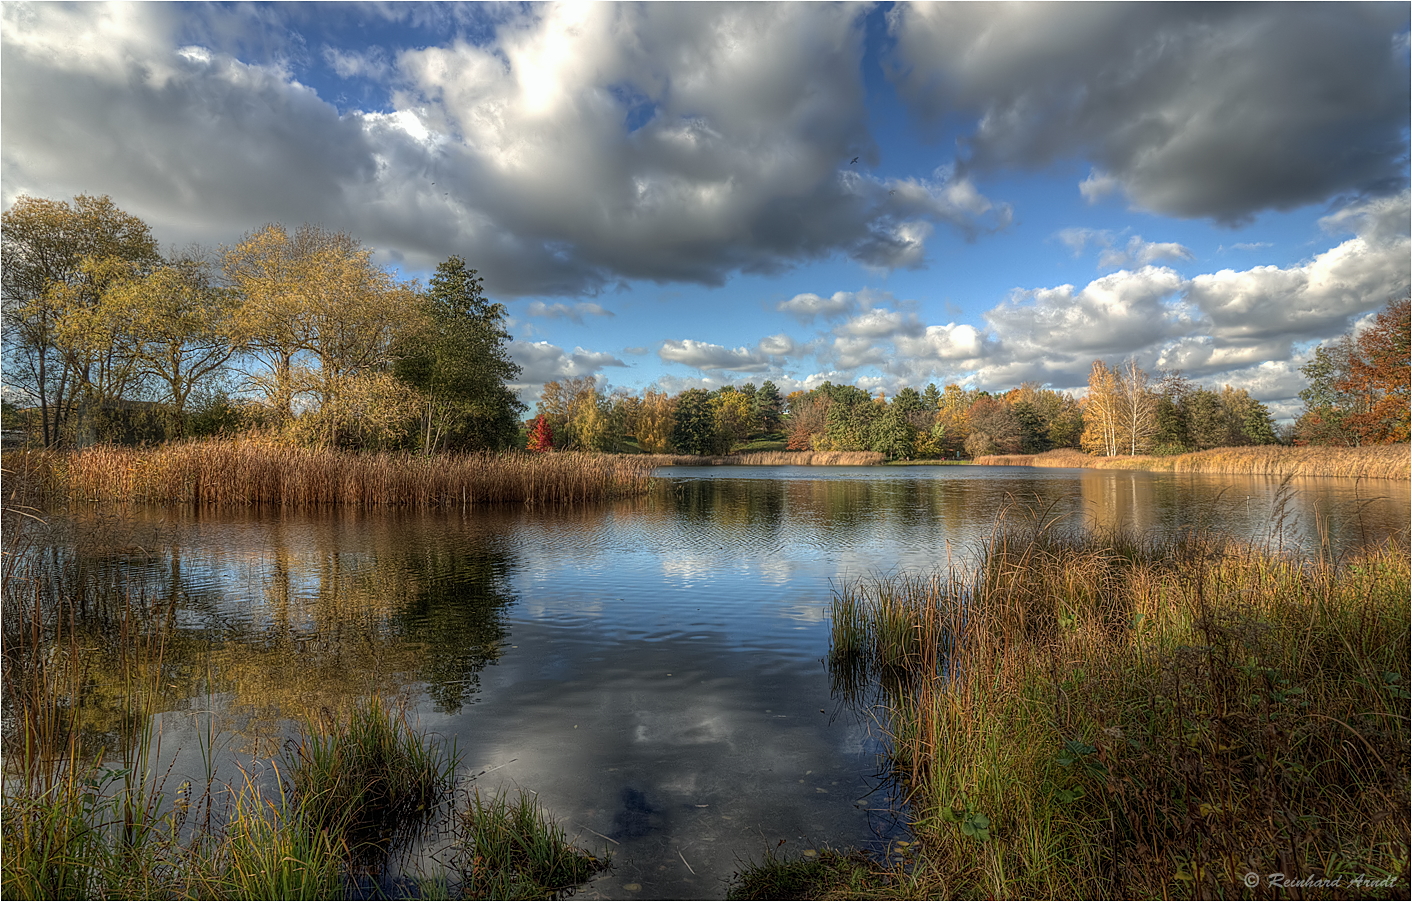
x,y
734,415
575,413
1359,384
460,363
316,311
656,422
953,419
50,253
175,326
541,438
1102,408
1137,408
808,412
1378,375
893,434
1248,422
994,428
1326,406
1207,426
769,406
849,420
694,430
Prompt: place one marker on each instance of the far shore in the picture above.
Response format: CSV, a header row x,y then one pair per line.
x,y
1278,461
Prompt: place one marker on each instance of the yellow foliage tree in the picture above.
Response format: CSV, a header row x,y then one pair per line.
x,y
316,311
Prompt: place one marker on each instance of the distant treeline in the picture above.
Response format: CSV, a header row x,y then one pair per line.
x,y
297,336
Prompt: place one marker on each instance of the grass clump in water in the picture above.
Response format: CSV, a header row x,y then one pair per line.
x,y
368,779
829,874
510,849
1093,715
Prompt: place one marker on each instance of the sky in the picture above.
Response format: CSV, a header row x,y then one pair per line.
x,y
680,195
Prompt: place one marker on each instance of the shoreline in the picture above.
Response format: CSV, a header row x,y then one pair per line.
x,y
1279,461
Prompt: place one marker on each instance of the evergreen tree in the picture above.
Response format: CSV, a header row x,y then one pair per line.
x,y
694,431
462,366
769,406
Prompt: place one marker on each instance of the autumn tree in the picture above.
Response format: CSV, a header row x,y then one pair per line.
x,y
541,438
1358,390
733,413
316,311
1102,408
994,428
808,413
1137,408
952,424
459,361
656,422
55,257
174,326
1378,376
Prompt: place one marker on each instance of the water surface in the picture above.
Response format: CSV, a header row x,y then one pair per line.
x,y
651,668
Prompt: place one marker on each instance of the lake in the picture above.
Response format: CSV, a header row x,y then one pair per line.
x,y
651,668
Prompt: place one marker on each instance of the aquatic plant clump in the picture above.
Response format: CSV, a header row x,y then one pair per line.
x,y
368,779
1092,715
508,848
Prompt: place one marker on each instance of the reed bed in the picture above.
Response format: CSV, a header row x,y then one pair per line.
x,y
243,473
1104,715
770,459
1278,461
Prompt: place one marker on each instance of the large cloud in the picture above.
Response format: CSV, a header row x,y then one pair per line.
x,y
766,354
1208,110
565,149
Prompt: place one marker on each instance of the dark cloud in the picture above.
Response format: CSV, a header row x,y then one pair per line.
x,y
566,149
1196,110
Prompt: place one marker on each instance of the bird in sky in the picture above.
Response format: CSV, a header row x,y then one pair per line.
x,y
852,161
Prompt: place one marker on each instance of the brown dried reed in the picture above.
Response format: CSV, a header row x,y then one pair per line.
x,y
771,459
240,473
1278,461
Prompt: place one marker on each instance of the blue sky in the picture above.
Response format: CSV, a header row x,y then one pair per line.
x,y
667,195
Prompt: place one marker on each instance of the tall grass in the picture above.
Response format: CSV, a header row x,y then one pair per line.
x,y
243,472
369,779
508,848
1103,715
770,459
1369,461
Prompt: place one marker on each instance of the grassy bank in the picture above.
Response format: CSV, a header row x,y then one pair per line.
x,y
771,459
1279,461
1109,716
240,473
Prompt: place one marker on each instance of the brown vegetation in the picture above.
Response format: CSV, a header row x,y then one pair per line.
x,y
238,473
1368,461
770,459
1106,715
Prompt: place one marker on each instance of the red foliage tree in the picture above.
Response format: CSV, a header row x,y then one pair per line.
x,y
541,437
1379,376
